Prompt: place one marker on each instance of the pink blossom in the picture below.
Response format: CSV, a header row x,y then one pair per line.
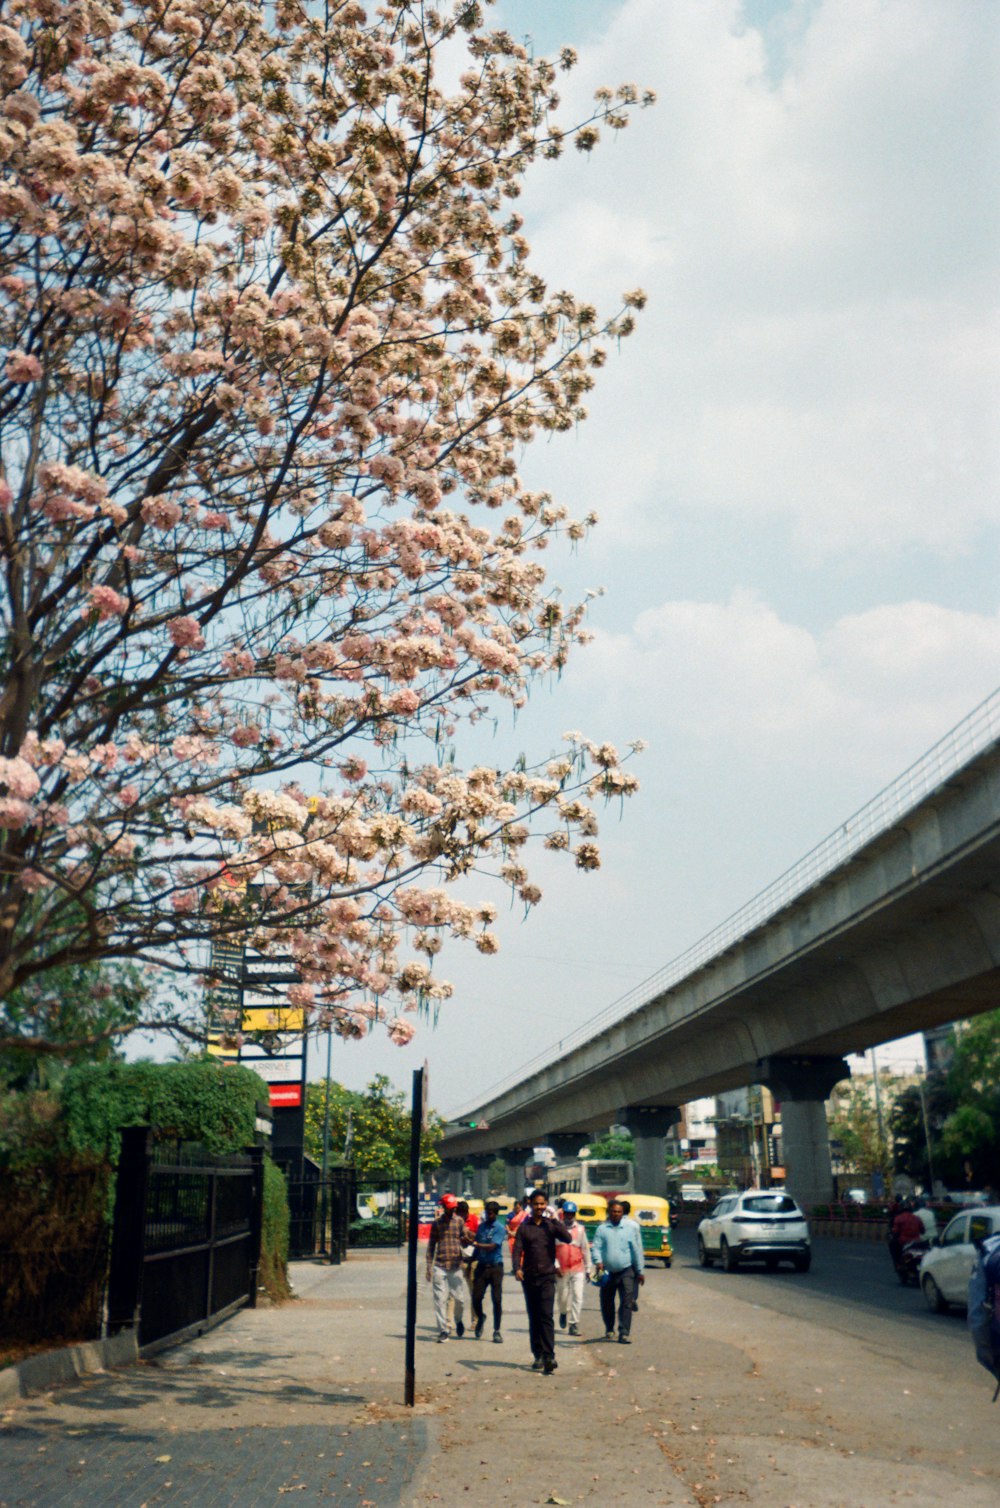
x,y
20,367
186,633
162,512
19,778
214,521
237,662
32,881
301,995
184,902
128,795
6,497
354,769
104,603
401,1031
402,703
15,813
245,735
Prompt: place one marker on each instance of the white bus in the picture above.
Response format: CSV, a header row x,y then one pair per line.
x,y
590,1175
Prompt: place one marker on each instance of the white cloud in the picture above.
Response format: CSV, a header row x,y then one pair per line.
x,y
820,258
870,692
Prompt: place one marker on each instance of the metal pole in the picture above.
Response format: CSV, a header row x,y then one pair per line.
x,y
883,1145
927,1132
325,1191
416,1126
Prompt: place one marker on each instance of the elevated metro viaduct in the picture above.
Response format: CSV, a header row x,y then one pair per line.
x,y
903,936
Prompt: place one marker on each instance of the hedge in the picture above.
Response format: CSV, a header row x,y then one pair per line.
x,y
58,1155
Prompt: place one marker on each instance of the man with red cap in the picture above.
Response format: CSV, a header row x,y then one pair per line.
x,y
449,1234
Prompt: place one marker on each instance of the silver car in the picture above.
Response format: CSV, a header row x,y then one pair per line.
x,y
760,1225
946,1269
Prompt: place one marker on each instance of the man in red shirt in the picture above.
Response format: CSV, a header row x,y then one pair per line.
x,y
906,1226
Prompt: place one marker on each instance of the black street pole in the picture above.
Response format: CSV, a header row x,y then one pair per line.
x,y
325,1186
416,1126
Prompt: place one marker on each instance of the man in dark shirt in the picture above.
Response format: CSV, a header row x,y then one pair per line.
x,y
535,1267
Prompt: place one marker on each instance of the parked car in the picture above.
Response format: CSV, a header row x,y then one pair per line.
x,y
946,1269
758,1225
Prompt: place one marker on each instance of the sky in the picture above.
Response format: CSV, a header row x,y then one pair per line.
x,y
794,461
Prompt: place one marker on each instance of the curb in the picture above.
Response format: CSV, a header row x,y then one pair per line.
x,y
36,1374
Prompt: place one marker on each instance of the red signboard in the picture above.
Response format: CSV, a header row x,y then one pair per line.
x,y
285,1095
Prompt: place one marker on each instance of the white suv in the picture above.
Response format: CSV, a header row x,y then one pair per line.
x,y
758,1225
946,1269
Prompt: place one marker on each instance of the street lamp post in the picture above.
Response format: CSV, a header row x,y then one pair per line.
x,y
325,1190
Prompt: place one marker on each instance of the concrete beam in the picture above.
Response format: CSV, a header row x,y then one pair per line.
x,y
564,1144
902,936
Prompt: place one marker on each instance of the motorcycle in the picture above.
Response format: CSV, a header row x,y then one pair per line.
x,y
907,1260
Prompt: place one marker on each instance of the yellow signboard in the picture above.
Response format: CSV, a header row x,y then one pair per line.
x,y
278,1017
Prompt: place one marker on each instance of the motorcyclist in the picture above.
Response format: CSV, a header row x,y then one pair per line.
x,y
906,1226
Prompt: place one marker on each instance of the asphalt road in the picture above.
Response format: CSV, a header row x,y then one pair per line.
x,y
852,1288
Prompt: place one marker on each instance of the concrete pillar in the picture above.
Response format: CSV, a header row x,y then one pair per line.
x,y
515,1158
803,1085
480,1164
649,1124
450,1177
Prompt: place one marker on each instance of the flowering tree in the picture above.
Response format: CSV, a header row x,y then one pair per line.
x,y
273,345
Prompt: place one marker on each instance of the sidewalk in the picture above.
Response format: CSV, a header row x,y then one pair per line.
x,y
714,1403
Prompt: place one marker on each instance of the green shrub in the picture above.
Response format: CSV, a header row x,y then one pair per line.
x,y
200,1101
273,1274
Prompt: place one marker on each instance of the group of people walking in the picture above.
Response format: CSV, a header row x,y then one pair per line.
x,y
551,1258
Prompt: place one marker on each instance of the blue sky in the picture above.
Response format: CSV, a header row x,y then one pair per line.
x,y
794,460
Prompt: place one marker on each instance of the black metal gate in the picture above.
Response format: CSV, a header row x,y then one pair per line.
x,y
346,1209
186,1242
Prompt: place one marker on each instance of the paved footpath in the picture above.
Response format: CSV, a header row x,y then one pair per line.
x,y
716,1402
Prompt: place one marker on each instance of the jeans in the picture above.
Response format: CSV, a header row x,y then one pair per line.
x,y
539,1296
624,1285
488,1276
445,1285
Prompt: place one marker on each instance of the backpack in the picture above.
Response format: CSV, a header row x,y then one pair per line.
x,y
984,1308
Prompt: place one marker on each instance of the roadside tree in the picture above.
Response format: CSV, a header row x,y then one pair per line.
x,y
273,349
370,1129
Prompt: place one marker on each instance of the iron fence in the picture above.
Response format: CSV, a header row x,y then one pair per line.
x,y
185,1244
319,1212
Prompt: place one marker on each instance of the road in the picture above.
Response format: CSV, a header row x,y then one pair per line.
x,y
851,1287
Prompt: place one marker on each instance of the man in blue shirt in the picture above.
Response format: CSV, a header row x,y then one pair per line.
x,y
617,1253
489,1242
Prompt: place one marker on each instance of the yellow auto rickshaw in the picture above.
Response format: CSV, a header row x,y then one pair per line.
x,y
506,1203
653,1216
591,1209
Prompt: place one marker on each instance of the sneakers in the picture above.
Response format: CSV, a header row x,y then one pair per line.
x,y
609,1335
537,1364
442,1337
623,1340
479,1327
459,1329
562,1321
497,1338
550,1366
574,1329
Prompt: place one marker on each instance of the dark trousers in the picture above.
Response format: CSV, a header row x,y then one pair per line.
x,y
488,1276
623,1284
539,1298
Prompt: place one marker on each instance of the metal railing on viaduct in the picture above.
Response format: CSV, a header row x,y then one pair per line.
x,y
928,842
